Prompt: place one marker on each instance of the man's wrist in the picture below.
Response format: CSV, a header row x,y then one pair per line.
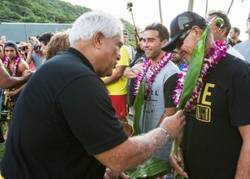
x,y
165,131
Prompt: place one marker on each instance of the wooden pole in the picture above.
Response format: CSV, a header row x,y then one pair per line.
x,y
190,5
160,11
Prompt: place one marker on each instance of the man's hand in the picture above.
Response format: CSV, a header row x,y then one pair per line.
x,y
130,73
176,164
109,174
27,73
173,124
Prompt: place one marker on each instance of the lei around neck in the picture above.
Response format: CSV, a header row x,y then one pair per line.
x,y
215,54
154,70
6,62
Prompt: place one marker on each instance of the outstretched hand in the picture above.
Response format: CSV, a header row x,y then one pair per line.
x,y
176,164
174,124
109,174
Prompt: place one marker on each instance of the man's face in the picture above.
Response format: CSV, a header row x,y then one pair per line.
x,y
152,44
233,34
110,53
189,43
10,52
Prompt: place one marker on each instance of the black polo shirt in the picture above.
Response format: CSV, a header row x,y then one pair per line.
x,y
62,118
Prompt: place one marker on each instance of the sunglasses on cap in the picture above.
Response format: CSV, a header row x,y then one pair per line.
x,y
181,39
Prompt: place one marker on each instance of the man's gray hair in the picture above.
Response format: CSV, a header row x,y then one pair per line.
x,y
93,22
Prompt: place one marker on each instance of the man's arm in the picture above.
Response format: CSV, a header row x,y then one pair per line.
x,y
243,167
169,87
6,81
116,75
23,66
136,150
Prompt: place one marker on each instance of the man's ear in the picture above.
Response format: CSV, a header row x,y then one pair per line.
x,y
164,42
97,40
197,30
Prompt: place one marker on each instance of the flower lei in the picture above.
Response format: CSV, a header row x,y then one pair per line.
x,y
153,73
6,62
214,56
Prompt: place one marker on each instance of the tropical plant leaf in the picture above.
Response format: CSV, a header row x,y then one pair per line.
x,y
194,70
151,169
139,100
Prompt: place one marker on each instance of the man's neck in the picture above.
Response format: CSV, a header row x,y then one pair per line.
x,y
12,60
154,61
235,40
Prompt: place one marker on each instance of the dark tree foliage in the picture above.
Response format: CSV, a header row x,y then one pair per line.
x,y
46,11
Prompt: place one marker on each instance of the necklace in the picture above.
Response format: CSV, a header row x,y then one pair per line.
x,y
215,54
154,70
6,62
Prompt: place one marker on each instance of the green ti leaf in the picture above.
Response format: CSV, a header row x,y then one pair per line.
x,y
194,70
152,168
139,100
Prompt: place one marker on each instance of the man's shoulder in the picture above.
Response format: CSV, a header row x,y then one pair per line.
x,y
242,44
235,52
231,64
232,60
172,67
169,70
69,62
62,69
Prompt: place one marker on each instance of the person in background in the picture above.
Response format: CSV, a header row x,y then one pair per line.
x,y
15,67
220,32
44,40
130,49
26,51
7,81
133,70
234,36
1,51
117,85
2,39
58,43
244,46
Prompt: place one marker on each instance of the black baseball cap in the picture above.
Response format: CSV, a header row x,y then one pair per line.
x,y
181,24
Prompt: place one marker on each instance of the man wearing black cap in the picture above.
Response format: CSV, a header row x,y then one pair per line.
x,y
216,139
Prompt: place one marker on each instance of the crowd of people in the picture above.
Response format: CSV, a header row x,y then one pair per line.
x,y
18,62
85,104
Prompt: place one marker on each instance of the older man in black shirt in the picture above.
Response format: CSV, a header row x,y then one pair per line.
x,y
64,125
